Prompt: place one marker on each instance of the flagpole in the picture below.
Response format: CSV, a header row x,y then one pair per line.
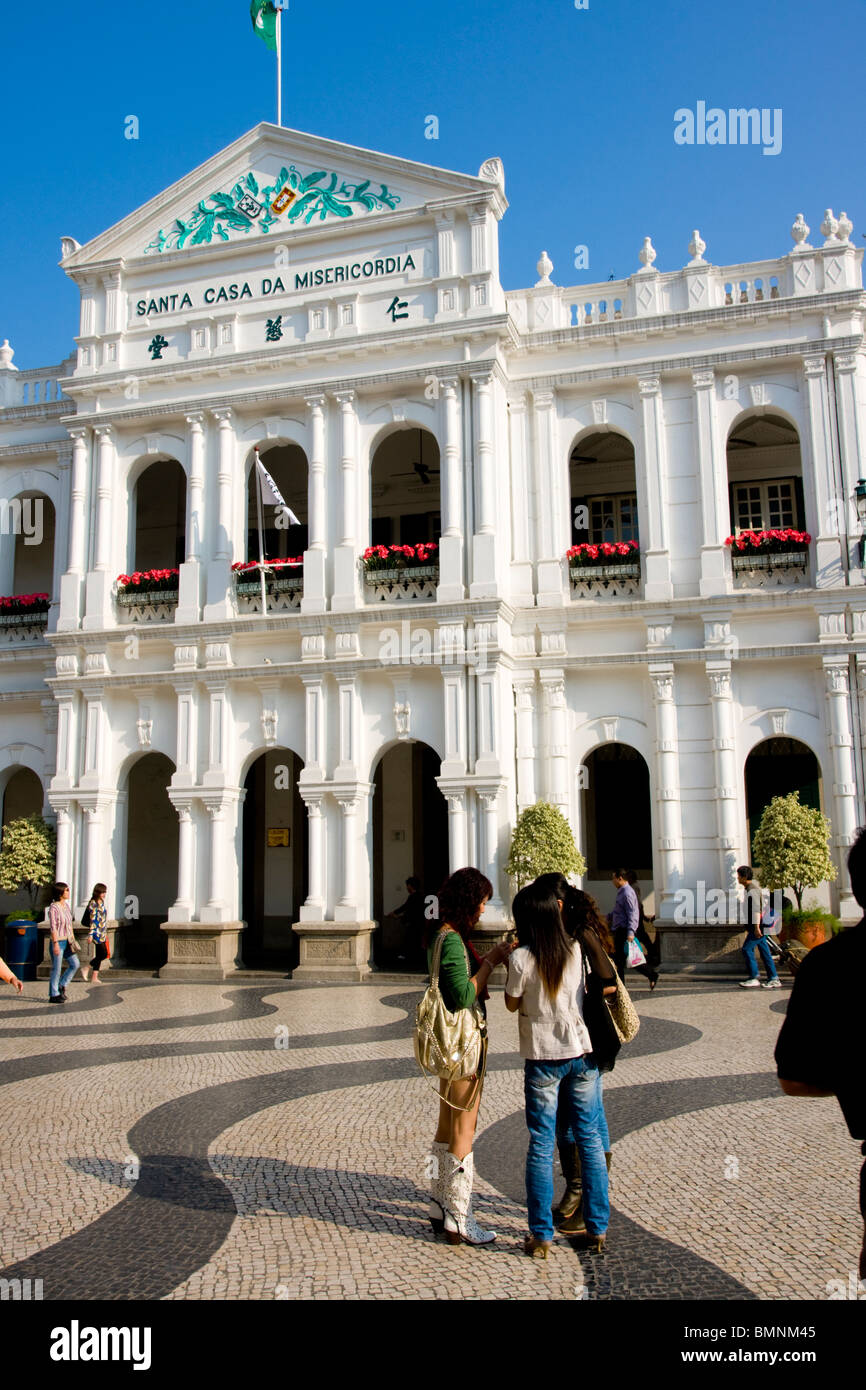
x,y
279,68
261,538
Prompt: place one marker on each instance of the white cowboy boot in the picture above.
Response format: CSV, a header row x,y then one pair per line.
x,y
438,1150
456,1192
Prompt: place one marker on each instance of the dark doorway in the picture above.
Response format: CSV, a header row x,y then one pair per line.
x,y
410,838
275,860
151,864
777,767
617,812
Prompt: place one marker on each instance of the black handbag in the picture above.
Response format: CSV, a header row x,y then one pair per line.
x,y
600,1026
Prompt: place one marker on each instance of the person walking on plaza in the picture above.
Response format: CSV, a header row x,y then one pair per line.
x,y
95,919
624,922
546,987
819,1051
63,943
755,938
650,948
463,977
9,977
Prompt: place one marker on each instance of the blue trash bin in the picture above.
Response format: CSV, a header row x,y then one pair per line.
x,y
22,946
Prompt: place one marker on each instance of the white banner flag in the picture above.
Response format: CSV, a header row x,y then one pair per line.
x,y
272,494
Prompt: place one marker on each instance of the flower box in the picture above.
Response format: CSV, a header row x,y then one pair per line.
x,y
147,586
144,598
776,543
604,571
388,559
784,559
274,584
398,576
28,608
29,618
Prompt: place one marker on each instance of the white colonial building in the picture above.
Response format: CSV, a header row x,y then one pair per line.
x,y
236,774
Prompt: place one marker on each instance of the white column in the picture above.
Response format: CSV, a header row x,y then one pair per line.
x,y
65,861
314,757
349,717
346,556
219,733
219,597
451,588
183,908
72,583
347,907
93,720
724,771
458,840
844,779
521,493
852,451
821,491
670,878
313,910
484,540
99,582
524,701
187,733
315,557
556,740
189,597
451,652
553,521
215,908
96,866
651,484
713,474
489,799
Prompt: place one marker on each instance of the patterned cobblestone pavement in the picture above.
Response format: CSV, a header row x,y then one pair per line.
x,y
268,1141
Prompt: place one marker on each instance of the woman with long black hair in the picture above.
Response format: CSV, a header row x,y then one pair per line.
x,y
546,986
584,923
463,976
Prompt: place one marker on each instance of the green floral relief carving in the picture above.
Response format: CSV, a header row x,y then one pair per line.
x,y
248,208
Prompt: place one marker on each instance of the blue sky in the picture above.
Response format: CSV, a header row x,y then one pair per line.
x,y
579,104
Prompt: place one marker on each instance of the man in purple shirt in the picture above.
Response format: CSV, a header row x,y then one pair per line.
x,y
624,922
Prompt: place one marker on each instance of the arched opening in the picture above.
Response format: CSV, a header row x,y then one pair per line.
x,y
765,475
275,860
405,506
617,817
33,561
23,795
287,465
601,472
410,839
151,863
160,516
777,767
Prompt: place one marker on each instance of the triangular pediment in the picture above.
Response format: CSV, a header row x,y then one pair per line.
x,y
274,180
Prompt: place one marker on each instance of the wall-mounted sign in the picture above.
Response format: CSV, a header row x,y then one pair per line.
x,y
304,280
279,836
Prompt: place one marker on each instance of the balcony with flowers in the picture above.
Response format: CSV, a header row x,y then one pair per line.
x,y
604,569
769,559
23,617
147,596
401,572
283,584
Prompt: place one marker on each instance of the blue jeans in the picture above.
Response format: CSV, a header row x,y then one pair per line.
x,y
580,1079
766,955
564,1132
58,983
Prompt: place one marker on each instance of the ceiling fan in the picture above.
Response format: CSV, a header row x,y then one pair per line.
x,y
419,469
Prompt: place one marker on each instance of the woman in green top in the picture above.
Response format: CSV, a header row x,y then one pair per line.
x,y
463,976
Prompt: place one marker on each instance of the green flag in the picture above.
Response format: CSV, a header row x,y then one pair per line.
x,y
264,18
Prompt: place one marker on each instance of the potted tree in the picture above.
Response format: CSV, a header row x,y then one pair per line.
x,y
542,843
27,859
791,851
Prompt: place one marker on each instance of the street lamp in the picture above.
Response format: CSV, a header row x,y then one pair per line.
x,y
860,499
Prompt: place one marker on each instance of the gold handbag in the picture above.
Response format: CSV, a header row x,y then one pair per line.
x,y
450,1046
622,1011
